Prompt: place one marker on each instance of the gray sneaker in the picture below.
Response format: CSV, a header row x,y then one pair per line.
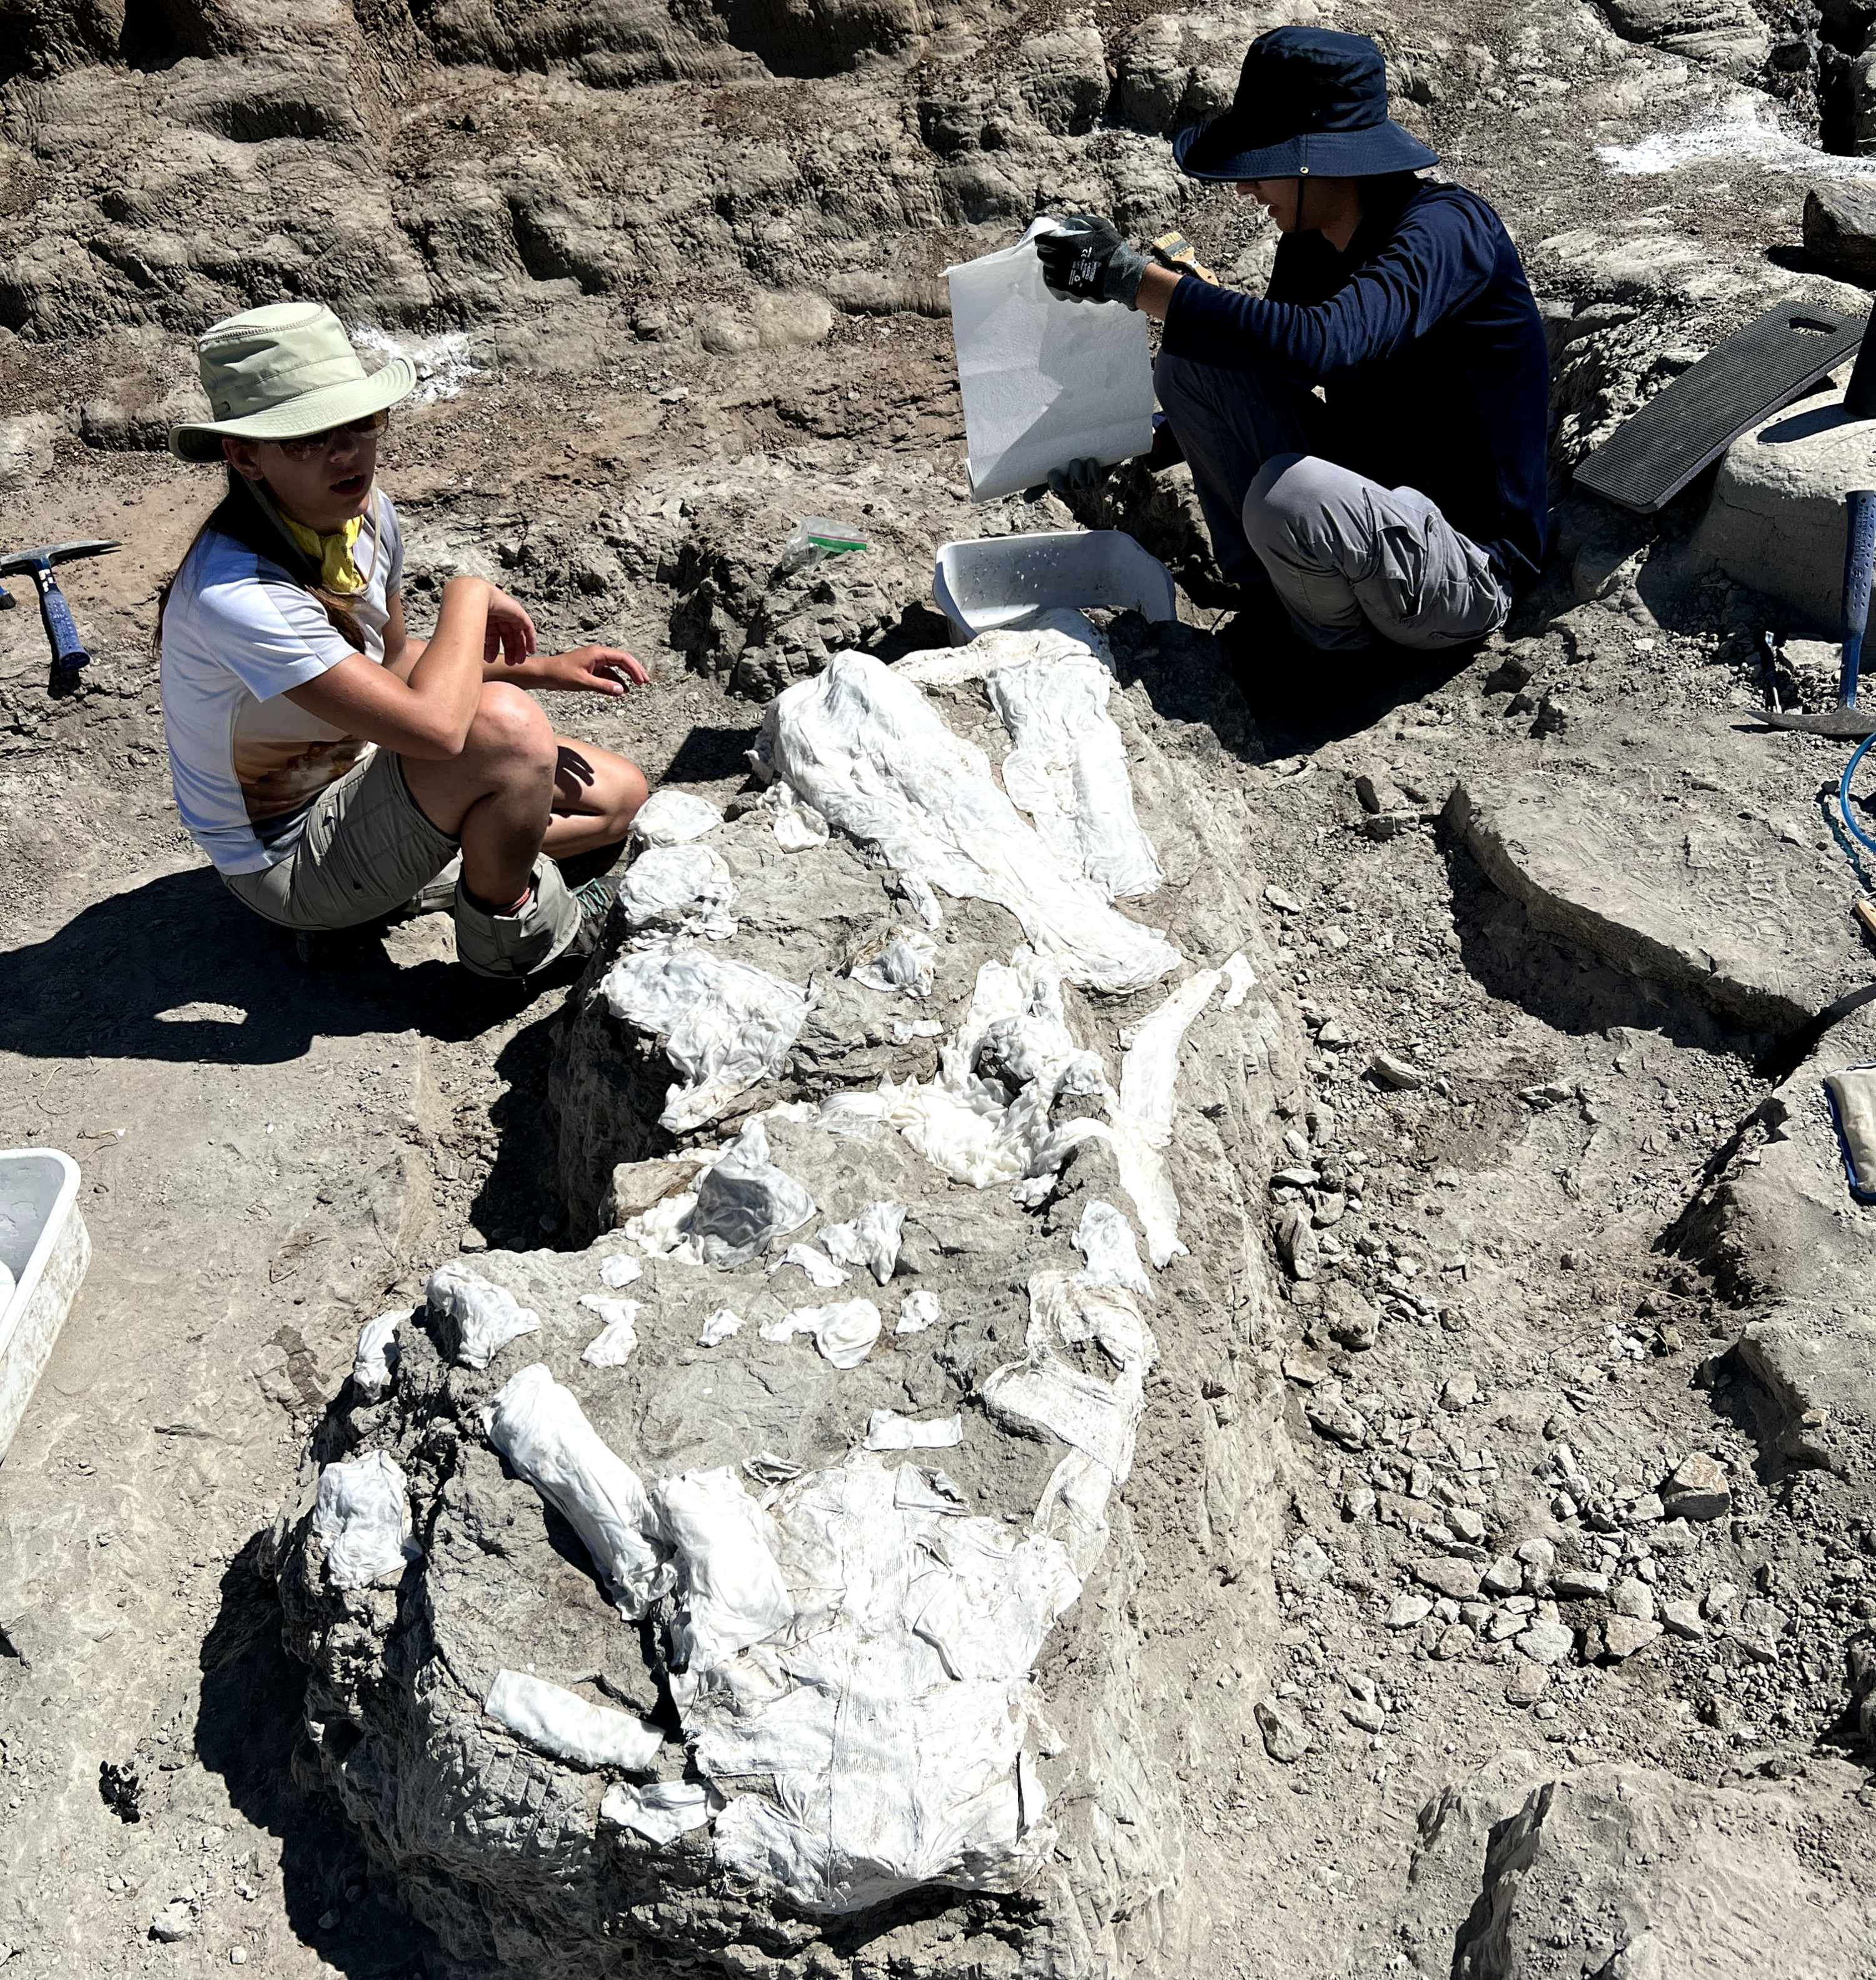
x,y
596,900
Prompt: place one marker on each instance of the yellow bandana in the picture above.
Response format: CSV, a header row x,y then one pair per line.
x,y
333,554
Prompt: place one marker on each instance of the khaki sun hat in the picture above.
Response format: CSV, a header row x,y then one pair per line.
x,y
282,373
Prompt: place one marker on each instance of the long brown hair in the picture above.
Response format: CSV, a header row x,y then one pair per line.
x,y
239,515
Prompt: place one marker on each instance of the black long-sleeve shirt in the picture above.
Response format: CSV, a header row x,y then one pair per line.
x,y
1430,351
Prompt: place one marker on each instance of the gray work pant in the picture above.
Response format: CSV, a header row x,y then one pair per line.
x,y
1347,557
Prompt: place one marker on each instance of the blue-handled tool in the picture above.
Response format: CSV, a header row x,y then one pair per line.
x,y
1847,720
68,652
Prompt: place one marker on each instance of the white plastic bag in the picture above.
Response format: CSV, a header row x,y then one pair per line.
x,y
1045,381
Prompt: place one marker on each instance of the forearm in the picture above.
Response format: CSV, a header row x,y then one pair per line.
x,y
447,674
1154,296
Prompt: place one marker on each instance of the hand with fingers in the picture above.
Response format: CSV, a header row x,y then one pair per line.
x,y
510,637
1085,260
597,669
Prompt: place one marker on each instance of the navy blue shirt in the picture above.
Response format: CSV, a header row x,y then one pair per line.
x,y
1430,352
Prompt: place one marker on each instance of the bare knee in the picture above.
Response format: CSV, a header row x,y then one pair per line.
x,y
629,792
509,732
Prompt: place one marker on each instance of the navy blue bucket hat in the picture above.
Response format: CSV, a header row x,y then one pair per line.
x,y
1308,102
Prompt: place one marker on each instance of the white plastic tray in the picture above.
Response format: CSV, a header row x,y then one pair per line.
x,y
985,584
46,1246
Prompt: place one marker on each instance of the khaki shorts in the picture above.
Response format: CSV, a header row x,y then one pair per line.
x,y
365,851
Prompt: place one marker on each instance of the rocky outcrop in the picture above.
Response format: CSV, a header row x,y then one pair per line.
x,y
763,1581
1739,906
1628,1873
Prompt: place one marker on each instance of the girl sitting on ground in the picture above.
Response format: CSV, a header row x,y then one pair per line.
x,y
285,659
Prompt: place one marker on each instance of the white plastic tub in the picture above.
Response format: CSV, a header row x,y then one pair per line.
x,y
987,584
45,1245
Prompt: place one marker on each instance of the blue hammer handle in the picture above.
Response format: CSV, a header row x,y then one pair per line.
x,y
68,654
1859,566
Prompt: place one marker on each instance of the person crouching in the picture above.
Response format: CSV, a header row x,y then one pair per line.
x,y
1409,500
331,766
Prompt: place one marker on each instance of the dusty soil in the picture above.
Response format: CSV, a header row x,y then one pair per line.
x,y
272,1151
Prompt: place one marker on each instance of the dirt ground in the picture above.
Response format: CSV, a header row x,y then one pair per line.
x,y
270,1149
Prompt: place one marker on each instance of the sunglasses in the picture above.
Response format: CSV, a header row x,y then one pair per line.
x,y
368,428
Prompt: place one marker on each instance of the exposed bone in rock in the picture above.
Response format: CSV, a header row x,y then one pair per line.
x,y
891,1680
744,1202
670,817
486,1318
363,1517
660,1811
619,1334
560,1723
871,1240
372,1365
1068,769
540,1429
686,889
917,1311
821,1270
864,747
844,1332
904,961
729,1591
1106,1240
886,1429
722,1025
798,825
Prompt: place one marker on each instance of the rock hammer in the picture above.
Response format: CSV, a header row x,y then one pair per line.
x,y
68,652
1846,719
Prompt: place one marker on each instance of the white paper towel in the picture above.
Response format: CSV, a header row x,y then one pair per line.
x,y
1045,381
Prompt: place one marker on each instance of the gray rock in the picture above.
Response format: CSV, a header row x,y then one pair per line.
x,y
1392,1070
1579,1584
1697,1490
1839,228
1407,1612
1365,1714
1546,1642
1286,1738
1308,1562
1458,1580
1682,1619
1526,1684
1621,1637
1775,522
1504,1576
1597,858
1296,1241
1634,1598
175,1922
1354,1321
1595,1867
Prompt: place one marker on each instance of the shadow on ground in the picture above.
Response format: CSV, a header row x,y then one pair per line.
x,y
178,970
246,1727
1564,986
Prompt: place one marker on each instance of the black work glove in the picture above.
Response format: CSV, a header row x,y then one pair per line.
x,y
1085,260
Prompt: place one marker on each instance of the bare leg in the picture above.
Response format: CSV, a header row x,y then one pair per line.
x,y
595,797
497,796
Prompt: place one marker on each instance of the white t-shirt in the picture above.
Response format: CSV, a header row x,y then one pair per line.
x,y
238,632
